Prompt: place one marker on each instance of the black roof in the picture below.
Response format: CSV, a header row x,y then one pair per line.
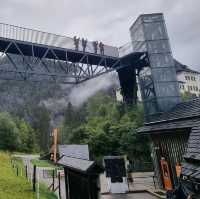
x,y
181,67
191,170
80,151
193,146
75,163
79,165
183,115
191,166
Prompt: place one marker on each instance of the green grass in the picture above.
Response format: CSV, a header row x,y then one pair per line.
x,y
11,186
46,163
42,163
44,193
17,187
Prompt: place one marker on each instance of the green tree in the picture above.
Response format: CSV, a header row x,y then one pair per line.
x,y
27,137
9,133
109,128
186,96
73,118
40,124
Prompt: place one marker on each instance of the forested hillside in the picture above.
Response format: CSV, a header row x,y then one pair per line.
x,y
86,113
22,102
41,107
107,126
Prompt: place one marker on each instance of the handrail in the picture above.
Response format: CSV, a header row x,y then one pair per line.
x,y
49,39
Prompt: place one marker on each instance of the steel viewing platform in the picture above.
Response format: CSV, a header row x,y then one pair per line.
x,y
44,56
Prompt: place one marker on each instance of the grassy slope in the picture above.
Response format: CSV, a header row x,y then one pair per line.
x,y
13,187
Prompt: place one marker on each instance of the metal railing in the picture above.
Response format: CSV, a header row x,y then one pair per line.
x,y
135,46
125,49
49,39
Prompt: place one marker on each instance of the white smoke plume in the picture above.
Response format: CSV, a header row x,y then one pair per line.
x,y
77,95
82,92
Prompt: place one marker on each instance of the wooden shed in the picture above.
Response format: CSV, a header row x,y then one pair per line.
x,y
170,134
81,178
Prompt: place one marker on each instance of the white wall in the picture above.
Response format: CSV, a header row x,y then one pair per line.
x,y
189,82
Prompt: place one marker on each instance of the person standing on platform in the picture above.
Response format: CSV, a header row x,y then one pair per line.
x,y
101,47
84,44
76,42
95,45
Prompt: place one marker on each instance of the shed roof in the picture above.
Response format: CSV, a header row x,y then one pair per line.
x,y
181,67
76,164
191,170
193,146
191,166
183,115
74,150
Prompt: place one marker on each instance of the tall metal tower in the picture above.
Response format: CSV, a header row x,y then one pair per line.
x,y
157,81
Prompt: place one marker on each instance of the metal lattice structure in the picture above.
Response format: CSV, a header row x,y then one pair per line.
x,y
38,56
158,81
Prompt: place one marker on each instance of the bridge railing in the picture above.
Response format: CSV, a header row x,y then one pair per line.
x,y
134,46
49,39
125,49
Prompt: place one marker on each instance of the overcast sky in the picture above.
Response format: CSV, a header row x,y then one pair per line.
x,y
109,20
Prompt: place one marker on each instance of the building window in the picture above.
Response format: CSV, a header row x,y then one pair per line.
x,y
190,88
182,86
196,88
193,78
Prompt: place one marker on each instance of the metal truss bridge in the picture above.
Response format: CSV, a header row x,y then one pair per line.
x,y
38,56
33,55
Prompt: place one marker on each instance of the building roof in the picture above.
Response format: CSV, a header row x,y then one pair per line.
x,y
81,166
191,170
75,163
74,150
193,146
191,166
181,67
183,115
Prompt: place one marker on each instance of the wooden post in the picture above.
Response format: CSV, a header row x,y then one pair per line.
x,y
17,171
53,180
89,187
67,184
34,178
59,185
26,171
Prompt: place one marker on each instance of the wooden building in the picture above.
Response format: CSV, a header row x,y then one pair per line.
x,y
81,178
170,133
